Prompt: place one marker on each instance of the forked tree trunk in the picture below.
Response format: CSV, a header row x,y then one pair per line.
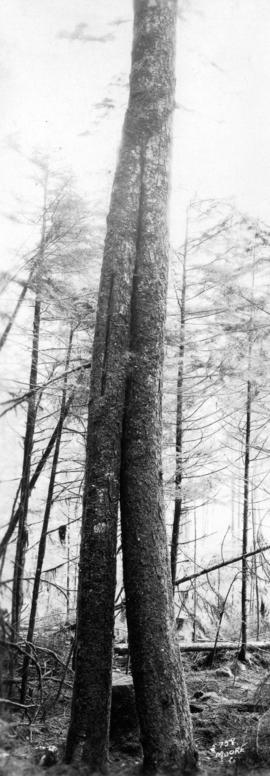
x,y
179,425
136,243
43,536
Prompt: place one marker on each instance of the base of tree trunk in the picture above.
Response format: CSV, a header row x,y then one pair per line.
x,y
125,731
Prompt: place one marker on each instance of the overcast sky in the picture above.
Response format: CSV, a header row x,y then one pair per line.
x,y
64,87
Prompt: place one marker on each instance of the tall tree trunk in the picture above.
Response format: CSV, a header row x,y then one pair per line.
x,y
68,567
43,536
115,356
179,424
160,692
22,536
88,735
243,649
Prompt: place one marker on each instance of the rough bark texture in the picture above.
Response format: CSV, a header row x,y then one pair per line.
x,y
90,715
134,267
160,692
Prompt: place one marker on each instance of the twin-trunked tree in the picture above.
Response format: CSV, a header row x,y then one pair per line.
x,y
124,432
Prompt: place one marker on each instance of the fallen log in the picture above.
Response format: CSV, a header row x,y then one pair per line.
x,y
206,646
246,706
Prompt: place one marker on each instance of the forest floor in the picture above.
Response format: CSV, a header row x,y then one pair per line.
x,y
230,707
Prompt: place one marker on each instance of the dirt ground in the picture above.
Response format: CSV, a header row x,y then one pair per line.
x,y
230,707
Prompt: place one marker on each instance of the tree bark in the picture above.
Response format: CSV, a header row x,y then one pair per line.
x,y
179,424
88,735
43,536
160,692
131,248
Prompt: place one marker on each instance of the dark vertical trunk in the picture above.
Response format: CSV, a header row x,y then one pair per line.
x,y
160,692
243,649
179,426
68,568
90,714
88,735
43,536
135,241
22,536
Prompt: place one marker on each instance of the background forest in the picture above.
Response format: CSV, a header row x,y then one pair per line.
x,y
216,373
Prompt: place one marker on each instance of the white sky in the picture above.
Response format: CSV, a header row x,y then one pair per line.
x,y
54,77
